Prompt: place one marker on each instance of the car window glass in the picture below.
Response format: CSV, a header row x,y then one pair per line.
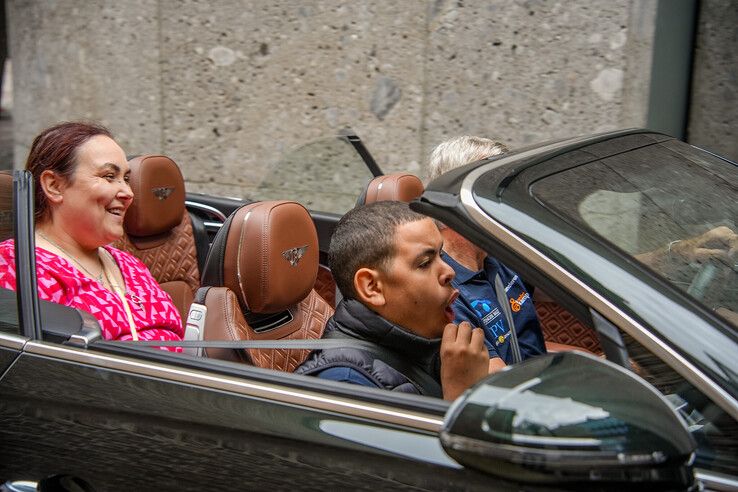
x,y
665,205
327,175
714,430
8,302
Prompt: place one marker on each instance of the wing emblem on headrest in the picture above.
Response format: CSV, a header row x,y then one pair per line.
x,y
294,255
163,192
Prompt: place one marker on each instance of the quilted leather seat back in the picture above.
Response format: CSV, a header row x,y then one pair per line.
x,y
560,326
266,255
158,228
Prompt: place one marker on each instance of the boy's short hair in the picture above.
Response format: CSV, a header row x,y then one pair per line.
x,y
365,238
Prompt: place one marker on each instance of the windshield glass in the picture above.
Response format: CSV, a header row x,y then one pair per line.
x,y
326,175
670,206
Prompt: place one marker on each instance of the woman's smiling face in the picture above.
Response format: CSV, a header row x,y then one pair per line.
x,y
95,199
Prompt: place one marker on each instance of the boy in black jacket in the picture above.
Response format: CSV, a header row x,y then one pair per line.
x,y
398,297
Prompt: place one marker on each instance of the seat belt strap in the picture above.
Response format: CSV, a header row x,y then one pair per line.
x,y
505,306
319,344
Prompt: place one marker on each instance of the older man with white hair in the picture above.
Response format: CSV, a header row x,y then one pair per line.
x,y
492,296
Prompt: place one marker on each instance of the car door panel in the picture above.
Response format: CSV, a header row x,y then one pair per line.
x,y
7,356
119,430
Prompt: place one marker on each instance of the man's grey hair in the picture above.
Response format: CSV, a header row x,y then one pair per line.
x,y
458,151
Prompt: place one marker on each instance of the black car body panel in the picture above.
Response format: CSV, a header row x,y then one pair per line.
x,y
128,431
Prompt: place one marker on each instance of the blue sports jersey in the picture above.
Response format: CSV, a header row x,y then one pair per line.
x,y
477,304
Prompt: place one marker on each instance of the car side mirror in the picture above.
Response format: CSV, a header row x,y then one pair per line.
x,y
570,417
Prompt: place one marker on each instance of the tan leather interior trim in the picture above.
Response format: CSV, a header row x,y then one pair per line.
x,y
224,321
181,295
325,285
262,240
402,187
159,196
310,317
175,259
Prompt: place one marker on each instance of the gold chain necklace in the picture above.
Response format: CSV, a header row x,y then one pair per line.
x,y
97,277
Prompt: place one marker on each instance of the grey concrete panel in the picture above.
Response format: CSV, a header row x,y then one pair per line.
x,y
249,81
228,88
639,60
714,105
525,72
85,60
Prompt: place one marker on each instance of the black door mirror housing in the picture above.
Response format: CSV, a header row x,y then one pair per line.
x,y
570,417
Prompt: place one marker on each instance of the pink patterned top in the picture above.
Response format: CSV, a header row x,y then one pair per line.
x,y
154,314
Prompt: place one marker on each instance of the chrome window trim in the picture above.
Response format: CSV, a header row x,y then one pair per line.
x,y
212,225
592,298
714,481
268,391
206,208
13,342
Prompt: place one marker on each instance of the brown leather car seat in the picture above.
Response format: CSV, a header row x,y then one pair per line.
x,y
6,205
159,230
262,267
399,187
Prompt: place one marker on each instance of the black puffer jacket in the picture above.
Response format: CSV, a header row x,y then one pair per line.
x,y
354,320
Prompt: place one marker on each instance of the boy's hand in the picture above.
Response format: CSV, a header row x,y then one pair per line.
x,y
464,358
496,365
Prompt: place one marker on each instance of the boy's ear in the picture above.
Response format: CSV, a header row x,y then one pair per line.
x,y
53,186
369,287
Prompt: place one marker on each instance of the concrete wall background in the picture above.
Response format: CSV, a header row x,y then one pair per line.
x,y
226,87
713,112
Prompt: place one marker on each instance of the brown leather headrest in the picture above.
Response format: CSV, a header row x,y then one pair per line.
x,y
159,196
271,253
397,187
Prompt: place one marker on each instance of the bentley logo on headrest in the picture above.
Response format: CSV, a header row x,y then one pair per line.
x,y
163,192
294,255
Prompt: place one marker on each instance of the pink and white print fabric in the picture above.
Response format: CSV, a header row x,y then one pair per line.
x,y
60,281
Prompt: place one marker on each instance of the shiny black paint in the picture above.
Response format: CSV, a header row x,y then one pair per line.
x,y
7,356
126,432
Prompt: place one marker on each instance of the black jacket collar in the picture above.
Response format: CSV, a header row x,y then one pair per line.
x,y
354,319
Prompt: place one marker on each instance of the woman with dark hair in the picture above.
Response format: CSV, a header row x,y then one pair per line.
x,y
81,196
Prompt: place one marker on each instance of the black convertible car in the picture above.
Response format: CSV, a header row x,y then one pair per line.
x,y
595,223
